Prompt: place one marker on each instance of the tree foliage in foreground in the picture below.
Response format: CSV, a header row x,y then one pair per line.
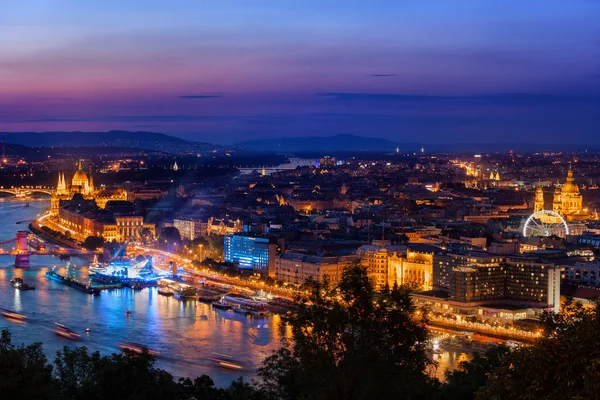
x,y
563,364
347,345
464,382
24,371
79,375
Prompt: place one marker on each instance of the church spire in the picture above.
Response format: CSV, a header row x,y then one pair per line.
x,y
538,202
570,177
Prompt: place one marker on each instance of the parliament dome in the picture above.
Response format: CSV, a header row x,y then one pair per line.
x,y
80,178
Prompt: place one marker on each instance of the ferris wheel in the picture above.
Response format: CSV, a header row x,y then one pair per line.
x,y
545,223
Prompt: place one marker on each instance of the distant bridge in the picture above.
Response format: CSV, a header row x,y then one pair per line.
x,y
25,191
26,244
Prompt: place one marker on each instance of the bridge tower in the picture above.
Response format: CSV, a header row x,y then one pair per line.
x,y
22,257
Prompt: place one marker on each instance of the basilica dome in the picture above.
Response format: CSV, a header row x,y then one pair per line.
x,y
569,187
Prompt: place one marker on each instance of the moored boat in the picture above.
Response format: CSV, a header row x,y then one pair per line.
x,y
95,266
19,284
244,305
221,304
72,282
165,291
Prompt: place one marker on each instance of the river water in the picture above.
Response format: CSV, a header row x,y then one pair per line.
x,y
185,333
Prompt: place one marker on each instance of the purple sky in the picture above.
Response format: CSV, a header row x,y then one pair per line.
x,y
226,71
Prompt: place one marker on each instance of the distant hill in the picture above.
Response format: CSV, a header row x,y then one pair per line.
x,y
322,143
15,152
354,144
124,139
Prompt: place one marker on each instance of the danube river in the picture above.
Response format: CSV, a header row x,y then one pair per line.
x,y
185,333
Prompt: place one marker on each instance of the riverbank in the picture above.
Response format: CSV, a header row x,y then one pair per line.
x,y
484,330
35,227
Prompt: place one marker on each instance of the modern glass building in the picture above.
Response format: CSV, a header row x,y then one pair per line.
x,y
251,253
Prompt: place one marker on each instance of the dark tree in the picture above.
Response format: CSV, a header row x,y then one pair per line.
x,y
93,242
170,235
470,376
146,236
563,364
24,371
82,375
115,249
347,345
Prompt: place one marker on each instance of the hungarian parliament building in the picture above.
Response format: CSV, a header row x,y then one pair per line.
x,y
86,211
81,184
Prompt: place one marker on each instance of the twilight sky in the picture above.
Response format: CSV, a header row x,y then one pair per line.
x,y
230,70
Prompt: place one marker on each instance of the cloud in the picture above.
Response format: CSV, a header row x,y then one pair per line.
x,y
202,96
141,118
481,99
382,75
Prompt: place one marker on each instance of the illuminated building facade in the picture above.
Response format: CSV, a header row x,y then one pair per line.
x,y
508,289
218,226
410,265
413,268
477,283
295,268
190,228
375,258
251,253
116,228
146,194
83,185
516,280
567,201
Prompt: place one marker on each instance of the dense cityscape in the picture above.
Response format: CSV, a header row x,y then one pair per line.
x,y
272,200
484,245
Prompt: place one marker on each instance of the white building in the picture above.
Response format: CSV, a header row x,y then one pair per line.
x,y
190,228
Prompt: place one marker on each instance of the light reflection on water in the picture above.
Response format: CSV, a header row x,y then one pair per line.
x,y
185,333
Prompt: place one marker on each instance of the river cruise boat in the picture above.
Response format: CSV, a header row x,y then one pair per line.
x,y
63,331
246,305
72,282
137,348
9,314
221,304
226,362
177,289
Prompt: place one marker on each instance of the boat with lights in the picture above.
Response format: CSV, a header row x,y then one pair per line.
x,y
71,282
10,314
137,348
19,284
